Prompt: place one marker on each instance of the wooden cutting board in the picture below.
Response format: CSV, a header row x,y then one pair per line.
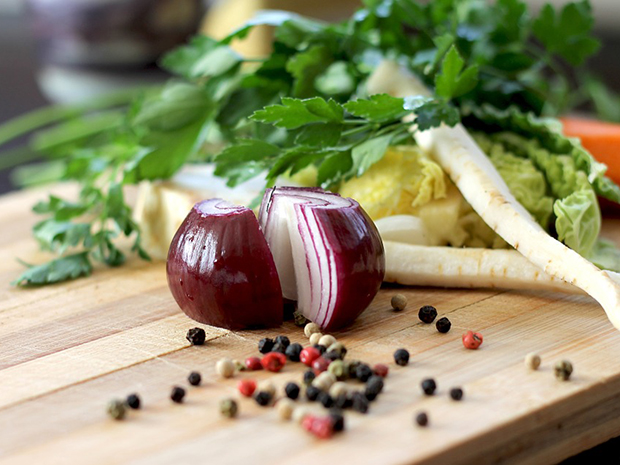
x,y
66,350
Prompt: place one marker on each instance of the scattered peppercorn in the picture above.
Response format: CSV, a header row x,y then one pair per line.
x,y
299,319
380,370
398,302
177,394
194,378
133,401
337,368
285,408
273,361
563,370
196,336
322,428
339,348
284,340
225,367
427,314
320,365
456,393
263,398
246,387
421,419
312,392
401,357
253,363
327,340
299,413
360,402
279,347
374,386
267,386
350,367
337,420
116,409
239,365
429,386
331,355
472,340
532,361
311,328
293,351
265,345
309,355
325,399
314,338
363,372
324,381
292,390
343,401
320,348
229,408
443,325
309,377
337,389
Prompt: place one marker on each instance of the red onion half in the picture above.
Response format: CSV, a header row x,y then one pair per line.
x,y
328,253
220,269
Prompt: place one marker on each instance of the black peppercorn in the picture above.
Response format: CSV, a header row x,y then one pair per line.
x,y
194,378
196,336
443,325
292,391
429,386
351,368
337,420
401,357
265,345
263,398
343,401
133,401
456,393
285,341
309,377
312,393
427,314
360,402
374,386
421,419
279,347
363,372
293,351
320,348
177,394
331,355
325,399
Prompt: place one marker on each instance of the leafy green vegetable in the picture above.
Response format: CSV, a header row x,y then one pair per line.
x,y
57,270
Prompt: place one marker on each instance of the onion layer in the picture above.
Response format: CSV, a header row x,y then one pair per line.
x,y
328,253
220,269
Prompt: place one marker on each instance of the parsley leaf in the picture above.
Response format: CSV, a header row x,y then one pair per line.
x,y
294,113
378,108
60,269
368,153
451,82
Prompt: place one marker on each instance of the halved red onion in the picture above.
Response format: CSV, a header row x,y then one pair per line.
x,y
220,269
328,253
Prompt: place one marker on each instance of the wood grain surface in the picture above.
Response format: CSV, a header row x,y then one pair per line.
x,y
66,350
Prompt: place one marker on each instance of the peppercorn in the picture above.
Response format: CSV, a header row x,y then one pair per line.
x,y
327,340
285,408
320,348
421,419
284,340
246,387
299,319
427,314
350,367
337,419
374,386
532,361
309,377
338,389
322,428
325,399
331,355
116,409
267,386
337,369
265,345
293,351
314,338
324,381
229,408
339,348
177,394
312,392
398,302
311,328
380,370
343,401
363,372
279,347
292,390
263,398
456,393
196,336
443,325
273,361
194,378
225,367
563,370
429,386
299,413
320,365
401,357
239,365
360,402
253,363
472,340
309,355
133,401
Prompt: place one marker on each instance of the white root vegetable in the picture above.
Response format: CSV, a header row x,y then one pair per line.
x,y
419,265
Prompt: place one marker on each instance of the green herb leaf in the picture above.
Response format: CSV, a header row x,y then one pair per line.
x,y
203,57
451,82
306,67
244,160
378,108
368,153
60,269
433,113
294,113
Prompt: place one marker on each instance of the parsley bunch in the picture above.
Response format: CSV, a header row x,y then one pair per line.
x,y
303,104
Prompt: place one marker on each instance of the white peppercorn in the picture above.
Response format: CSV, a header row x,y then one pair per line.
x,y
285,408
311,328
327,340
314,338
266,386
324,381
338,389
532,361
225,367
300,413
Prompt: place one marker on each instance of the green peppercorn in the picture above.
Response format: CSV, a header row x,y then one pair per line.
x,y
116,409
427,314
421,419
196,336
563,370
398,302
337,368
401,357
194,378
339,348
443,325
177,394
229,408
299,319
133,401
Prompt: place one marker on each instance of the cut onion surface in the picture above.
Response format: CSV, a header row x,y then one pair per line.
x,y
327,251
220,269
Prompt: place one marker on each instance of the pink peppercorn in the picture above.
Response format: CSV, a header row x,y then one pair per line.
x,y
246,387
472,340
320,365
380,370
323,428
308,422
253,363
309,355
273,361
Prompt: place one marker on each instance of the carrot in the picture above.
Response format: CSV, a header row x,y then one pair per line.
x,y
601,139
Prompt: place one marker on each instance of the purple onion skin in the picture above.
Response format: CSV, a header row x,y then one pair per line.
x,y
360,263
221,272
